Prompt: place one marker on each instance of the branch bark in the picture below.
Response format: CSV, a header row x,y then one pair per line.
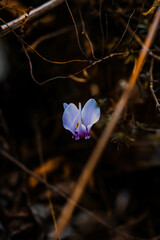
x,y
35,13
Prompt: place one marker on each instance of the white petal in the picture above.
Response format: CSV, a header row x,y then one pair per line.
x,y
65,105
90,113
70,117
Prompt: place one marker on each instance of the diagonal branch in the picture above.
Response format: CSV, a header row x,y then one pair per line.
x,y
137,38
35,13
31,173
104,138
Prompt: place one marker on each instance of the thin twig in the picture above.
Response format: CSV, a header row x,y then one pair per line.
x,y
40,153
154,55
30,47
137,38
124,31
133,33
101,26
110,126
69,75
76,29
86,34
151,85
49,36
35,13
31,173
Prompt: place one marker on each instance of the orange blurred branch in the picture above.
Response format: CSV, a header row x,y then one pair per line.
x,y
104,138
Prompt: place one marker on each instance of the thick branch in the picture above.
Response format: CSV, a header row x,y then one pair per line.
x,y
36,12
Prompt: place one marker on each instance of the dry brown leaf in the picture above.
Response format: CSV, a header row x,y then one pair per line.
x,y
153,8
49,166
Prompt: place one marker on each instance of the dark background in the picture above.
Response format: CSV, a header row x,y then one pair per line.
x,y
124,191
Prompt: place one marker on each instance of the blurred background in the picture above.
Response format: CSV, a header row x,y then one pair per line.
x,y
124,191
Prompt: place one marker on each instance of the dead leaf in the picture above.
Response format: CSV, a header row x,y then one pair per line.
x,y
49,166
153,8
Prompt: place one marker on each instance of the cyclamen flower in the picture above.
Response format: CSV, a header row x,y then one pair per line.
x,y
79,122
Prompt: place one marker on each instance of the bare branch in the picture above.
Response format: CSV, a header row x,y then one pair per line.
x,y
76,29
86,34
36,12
